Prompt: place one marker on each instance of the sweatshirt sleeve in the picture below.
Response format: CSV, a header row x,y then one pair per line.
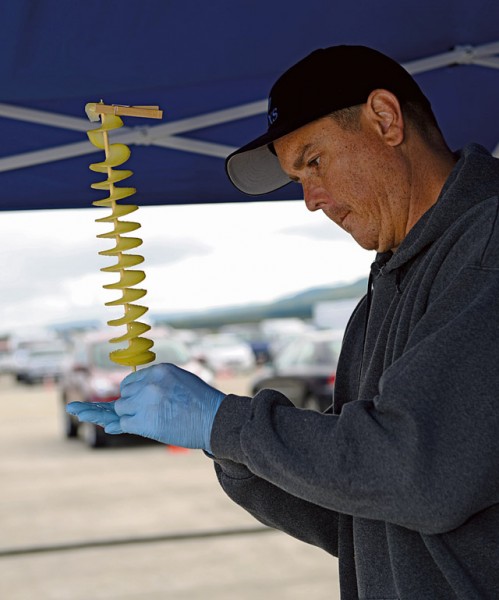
x,y
423,453
276,508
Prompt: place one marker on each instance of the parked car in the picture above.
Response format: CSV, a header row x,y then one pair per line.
x,y
225,352
279,331
38,361
6,362
253,336
304,370
91,376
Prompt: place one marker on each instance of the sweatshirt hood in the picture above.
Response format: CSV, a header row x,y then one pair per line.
x,y
460,192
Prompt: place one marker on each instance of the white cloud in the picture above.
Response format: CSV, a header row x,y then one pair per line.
x,y
197,257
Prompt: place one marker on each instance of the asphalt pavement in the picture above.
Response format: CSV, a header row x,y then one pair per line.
x,y
136,521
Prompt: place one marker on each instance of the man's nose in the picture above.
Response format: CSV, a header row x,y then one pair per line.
x,y
312,196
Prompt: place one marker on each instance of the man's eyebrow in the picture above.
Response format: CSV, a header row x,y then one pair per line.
x,y
298,164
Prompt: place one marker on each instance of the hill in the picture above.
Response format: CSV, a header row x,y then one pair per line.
x,y
298,305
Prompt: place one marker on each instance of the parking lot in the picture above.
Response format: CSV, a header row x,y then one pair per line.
x,y
133,521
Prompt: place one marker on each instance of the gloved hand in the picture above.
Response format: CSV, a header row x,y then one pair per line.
x,y
162,402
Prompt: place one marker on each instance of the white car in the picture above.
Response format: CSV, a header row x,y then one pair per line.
x,y
40,361
225,352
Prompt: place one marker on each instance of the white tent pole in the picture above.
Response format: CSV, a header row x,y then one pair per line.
x,y
460,55
137,136
491,62
43,117
196,146
29,159
435,62
487,49
209,119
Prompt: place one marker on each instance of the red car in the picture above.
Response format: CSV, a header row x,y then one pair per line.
x,y
91,376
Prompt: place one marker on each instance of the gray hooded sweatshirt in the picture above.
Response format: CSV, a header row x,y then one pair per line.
x,y
400,479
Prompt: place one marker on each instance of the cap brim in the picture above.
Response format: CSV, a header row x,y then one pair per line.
x,y
254,169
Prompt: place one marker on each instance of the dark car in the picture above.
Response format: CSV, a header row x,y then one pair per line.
x,y
91,376
304,369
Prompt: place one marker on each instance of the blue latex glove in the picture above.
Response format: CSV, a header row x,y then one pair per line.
x,y
162,402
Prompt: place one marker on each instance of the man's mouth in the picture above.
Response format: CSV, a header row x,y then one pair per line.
x,y
337,215
342,219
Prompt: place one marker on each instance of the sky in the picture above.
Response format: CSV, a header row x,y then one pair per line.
x,y
196,257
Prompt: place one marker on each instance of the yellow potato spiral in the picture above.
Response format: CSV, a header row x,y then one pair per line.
x,y
138,350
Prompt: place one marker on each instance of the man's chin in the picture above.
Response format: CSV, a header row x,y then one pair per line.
x,y
364,243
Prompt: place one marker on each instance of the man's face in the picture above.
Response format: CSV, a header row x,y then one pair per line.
x,y
353,177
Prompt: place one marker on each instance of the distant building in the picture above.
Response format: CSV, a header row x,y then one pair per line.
x,y
333,314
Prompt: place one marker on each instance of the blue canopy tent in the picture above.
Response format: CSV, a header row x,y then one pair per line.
x,y
209,65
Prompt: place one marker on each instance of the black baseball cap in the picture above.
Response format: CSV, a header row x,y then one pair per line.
x,y
327,80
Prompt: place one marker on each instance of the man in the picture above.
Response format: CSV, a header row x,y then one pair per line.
x,y
400,479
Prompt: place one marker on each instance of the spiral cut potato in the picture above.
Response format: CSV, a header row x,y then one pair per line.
x,y
138,350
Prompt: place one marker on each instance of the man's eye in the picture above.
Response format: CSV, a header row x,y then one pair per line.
x,y
315,162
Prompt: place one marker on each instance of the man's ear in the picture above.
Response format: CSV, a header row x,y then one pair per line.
x,y
384,112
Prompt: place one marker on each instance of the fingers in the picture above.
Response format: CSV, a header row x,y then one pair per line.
x,y
106,406
127,406
100,413
114,428
78,408
73,408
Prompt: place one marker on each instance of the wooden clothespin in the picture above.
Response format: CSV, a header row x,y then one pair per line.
x,y
94,109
